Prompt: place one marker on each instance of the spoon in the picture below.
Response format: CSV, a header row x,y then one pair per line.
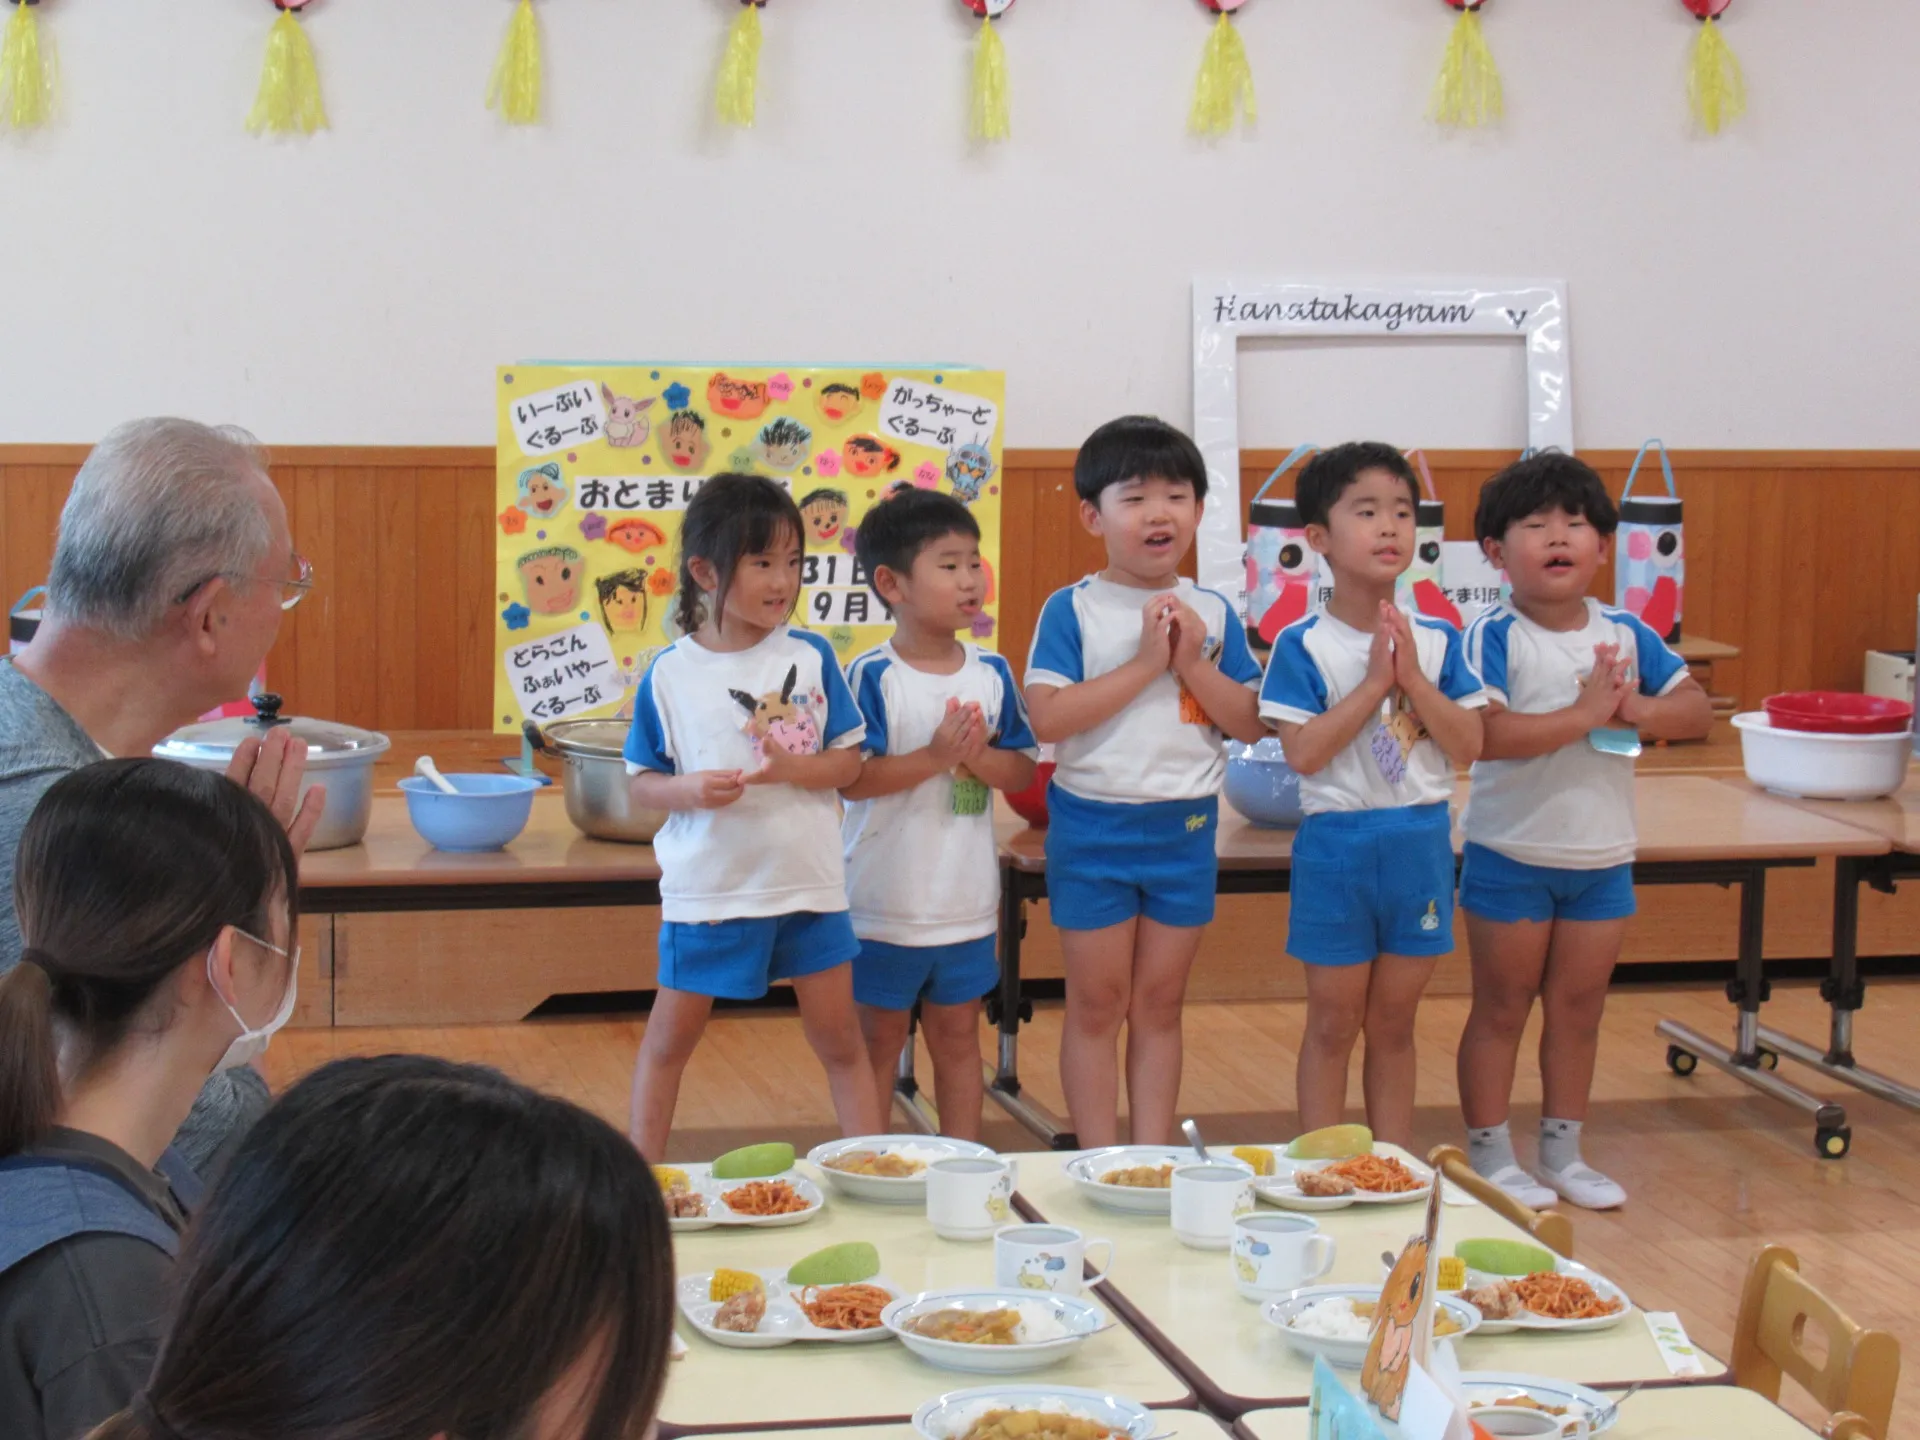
x,y
1192,1132
1606,1416
424,766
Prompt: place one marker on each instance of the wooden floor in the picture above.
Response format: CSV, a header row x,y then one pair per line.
x,y
1713,1169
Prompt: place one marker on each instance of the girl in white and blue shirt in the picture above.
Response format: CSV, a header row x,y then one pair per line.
x,y
744,729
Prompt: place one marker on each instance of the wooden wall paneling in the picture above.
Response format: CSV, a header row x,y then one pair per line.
x,y
356,587
311,641
313,1009
397,562
437,600
473,587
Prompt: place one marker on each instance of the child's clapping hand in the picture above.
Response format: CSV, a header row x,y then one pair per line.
x,y
1606,687
1156,631
960,737
1407,674
1189,637
712,789
1380,659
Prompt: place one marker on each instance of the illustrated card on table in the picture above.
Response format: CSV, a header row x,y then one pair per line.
x,y
1403,1323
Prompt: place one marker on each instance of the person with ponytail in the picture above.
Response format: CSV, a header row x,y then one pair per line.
x,y
406,1248
157,904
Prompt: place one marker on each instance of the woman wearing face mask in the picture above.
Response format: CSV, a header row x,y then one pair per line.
x,y
409,1249
158,907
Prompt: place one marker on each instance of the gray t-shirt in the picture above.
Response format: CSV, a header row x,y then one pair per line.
x,y
40,742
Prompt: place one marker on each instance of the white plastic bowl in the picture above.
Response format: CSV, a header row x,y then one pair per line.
x,y
1816,766
1079,1318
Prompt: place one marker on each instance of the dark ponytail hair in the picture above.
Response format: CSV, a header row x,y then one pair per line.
x,y
126,870
729,518
405,1247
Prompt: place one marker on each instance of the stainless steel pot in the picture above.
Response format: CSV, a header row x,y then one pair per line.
x,y
599,802
339,757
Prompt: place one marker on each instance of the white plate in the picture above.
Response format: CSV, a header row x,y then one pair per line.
x,y
700,1178
1280,1190
785,1323
1287,1169
1349,1354
1079,1317
1086,1169
950,1416
911,1190
1486,1387
1604,1287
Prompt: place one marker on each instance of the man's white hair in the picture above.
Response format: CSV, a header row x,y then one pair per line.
x,y
160,507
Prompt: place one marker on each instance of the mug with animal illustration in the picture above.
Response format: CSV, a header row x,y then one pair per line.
x,y
779,720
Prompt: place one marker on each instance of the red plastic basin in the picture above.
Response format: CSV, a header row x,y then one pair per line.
x,y
1838,712
1030,804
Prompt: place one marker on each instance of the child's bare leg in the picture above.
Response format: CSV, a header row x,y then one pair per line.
x,y
1579,965
1099,989
1388,1074
1509,958
674,1027
1336,1009
832,1027
886,1033
1162,960
953,1040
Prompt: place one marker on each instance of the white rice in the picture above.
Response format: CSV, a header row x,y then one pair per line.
x,y
960,1421
1038,1323
1332,1319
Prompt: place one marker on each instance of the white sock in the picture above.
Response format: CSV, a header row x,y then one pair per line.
x,y
1559,1143
1567,1171
1490,1149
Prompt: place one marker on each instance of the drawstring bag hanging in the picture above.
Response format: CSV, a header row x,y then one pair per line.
x,y
289,99
1716,86
29,75
1225,76
1422,588
1280,563
734,96
1467,93
989,107
515,88
1650,552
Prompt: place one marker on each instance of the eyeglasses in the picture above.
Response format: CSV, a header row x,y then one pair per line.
x,y
299,585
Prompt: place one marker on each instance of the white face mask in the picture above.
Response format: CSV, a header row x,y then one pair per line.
x,y
250,1043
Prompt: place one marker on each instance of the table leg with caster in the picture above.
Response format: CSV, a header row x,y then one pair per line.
x,y
1744,1062
906,1088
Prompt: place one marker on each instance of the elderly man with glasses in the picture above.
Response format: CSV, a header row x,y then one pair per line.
x,y
172,570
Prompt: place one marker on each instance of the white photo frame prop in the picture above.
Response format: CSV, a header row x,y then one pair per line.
x,y
1225,312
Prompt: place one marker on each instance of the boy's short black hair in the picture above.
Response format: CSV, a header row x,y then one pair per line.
x,y
898,528
1137,447
1331,473
1551,480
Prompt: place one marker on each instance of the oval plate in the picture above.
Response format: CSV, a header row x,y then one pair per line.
x,y
785,1323
1349,1354
945,1417
1604,1287
1080,1318
1086,1169
889,1189
1486,1387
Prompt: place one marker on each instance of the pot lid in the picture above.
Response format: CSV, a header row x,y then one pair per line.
x,y
601,739
330,744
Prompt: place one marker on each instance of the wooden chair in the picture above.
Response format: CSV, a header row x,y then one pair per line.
x,y
1549,1227
1856,1380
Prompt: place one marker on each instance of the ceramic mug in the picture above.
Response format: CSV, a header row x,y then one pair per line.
x,y
969,1196
1046,1257
1207,1199
1520,1421
1273,1254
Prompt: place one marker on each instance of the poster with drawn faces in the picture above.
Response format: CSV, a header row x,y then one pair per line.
x,y
596,464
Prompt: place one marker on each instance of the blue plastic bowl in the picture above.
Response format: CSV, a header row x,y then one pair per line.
x,y
489,811
1261,785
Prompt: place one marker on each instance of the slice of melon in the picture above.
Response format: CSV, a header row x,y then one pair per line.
x,y
1504,1257
843,1264
1335,1142
752,1162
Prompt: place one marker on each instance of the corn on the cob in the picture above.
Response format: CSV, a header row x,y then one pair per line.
x,y
666,1177
728,1283
1453,1272
1258,1156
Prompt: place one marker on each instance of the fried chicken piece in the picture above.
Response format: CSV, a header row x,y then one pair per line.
x,y
1496,1301
1319,1182
683,1202
743,1313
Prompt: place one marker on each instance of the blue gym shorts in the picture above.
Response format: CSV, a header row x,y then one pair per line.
x,y
1497,887
1372,882
740,959
892,977
1107,862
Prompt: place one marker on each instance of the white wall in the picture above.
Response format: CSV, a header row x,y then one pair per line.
x,y
361,286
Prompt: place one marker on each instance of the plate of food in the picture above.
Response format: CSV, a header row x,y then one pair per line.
x,y
1134,1178
696,1200
1385,1177
1337,1321
764,1309
1033,1412
1566,1401
993,1332
890,1169
1564,1296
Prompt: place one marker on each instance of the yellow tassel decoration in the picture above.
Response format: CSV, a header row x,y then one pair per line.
x,y
289,99
1225,76
1467,94
515,91
740,67
1716,86
991,105
29,78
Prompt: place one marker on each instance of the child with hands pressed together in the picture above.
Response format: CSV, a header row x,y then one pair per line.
x,y
1374,708
744,729
1136,676
944,729
1547,878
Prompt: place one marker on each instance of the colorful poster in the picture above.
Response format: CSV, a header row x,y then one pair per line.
x,y
596,466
